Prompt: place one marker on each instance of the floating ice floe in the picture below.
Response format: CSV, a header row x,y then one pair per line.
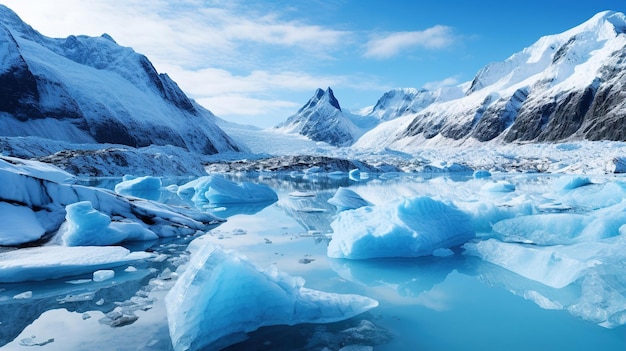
x,y
52,262
552,266
147,187
39,207
408,228
221,295
217,190
482,173
346,199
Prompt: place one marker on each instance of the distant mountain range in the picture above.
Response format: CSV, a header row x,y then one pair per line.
x,y
91,90
569,86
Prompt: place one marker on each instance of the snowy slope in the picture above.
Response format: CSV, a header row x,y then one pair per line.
x,y
321,119
90,90
568,86
403,101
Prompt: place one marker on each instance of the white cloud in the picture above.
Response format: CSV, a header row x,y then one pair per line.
x,y
237,105
447,82
389,45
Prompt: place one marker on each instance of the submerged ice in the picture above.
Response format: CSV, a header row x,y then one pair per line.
x,y
221,295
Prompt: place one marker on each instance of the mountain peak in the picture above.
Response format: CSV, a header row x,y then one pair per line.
x,y
319,98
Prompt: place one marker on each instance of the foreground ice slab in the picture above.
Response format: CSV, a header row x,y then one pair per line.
x,y
222,295
217,190
51,262
39,206
408,228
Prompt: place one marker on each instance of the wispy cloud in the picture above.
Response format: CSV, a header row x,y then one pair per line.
x,y
392,44
447,82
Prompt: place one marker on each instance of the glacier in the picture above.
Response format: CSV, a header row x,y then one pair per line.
x,y
42,207
221,295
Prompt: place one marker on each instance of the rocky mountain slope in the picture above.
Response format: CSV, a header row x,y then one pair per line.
x,y
568,86
91,90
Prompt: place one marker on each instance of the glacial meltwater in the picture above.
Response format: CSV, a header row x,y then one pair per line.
x,y
543,270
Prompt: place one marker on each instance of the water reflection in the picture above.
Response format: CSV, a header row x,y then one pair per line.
x,y
407,277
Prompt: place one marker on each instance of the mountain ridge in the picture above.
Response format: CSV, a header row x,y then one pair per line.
x,y
84,89
567,86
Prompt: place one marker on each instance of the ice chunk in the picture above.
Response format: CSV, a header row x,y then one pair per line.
x,y
19,225
565,183
138,183
103,274
217,190
547,265
86,226
408,228
501,186
346,199
355,174
146,187
485,213
563,228
222,295
482,173
51,262
542,229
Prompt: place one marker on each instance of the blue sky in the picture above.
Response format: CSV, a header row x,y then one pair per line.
x,y
256,62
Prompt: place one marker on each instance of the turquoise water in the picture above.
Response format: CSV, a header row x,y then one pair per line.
x,y
431,303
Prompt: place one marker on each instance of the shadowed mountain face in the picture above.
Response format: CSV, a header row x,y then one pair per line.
x,y
90,90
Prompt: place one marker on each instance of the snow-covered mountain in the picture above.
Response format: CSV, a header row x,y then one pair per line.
x,y
403,101
321,119
91,90
568,86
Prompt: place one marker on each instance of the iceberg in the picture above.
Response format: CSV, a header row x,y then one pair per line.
x,y
408,228
86,226
147,187
52,262
221,295
217,190
346,199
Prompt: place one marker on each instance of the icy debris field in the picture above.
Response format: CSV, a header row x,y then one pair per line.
x,y
433,262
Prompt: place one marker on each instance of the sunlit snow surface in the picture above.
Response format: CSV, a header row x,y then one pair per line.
x,y
546,260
